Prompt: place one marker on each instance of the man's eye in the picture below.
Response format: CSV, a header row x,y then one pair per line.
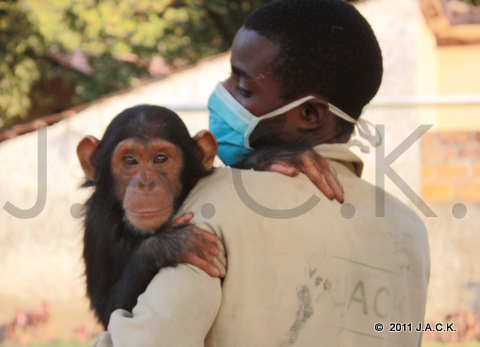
x,y
129,160
243,92
160,158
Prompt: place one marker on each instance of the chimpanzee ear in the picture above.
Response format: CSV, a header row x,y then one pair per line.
x,y
208,147
86,154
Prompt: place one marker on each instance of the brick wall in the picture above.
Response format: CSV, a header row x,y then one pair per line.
x,y
451,166
450,180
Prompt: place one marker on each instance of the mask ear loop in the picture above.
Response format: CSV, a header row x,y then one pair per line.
x,y
364,131
274,113
362,126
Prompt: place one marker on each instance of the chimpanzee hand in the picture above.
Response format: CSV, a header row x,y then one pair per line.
x,y
290,161
202,249
181,242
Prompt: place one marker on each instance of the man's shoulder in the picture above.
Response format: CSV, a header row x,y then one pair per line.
x,y
241,189
385,203
227,176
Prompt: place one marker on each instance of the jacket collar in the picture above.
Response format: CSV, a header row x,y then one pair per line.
x,y
340,152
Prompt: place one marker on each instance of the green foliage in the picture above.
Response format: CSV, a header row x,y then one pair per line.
x,y
119,37
19,44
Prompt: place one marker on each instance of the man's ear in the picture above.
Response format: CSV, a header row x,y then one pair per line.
x,y
208,148
314,113
86,150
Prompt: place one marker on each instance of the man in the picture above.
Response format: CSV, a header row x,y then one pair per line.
x,y
302,270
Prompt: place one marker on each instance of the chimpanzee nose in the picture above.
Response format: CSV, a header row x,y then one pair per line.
x,y
145,179
145,182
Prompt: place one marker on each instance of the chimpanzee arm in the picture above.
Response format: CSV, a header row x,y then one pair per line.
x,y
289,160
179,244
173,301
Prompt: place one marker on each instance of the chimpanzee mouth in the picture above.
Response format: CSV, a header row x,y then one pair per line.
x,y
147,212
147,221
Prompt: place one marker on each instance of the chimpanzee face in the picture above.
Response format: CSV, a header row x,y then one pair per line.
x,y
145,164
147,176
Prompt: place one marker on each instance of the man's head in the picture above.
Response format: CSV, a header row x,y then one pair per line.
x,y
288,49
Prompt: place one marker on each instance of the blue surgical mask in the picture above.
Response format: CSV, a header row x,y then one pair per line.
x,y
232,124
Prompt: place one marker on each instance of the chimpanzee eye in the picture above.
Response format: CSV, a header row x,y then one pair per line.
x,y
160,158
129,160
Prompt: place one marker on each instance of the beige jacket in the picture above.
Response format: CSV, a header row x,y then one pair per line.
x,y
302,270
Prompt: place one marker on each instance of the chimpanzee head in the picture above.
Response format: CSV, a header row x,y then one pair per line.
x,y
145,165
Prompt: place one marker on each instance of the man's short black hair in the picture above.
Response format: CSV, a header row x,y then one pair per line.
x,y
326,47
